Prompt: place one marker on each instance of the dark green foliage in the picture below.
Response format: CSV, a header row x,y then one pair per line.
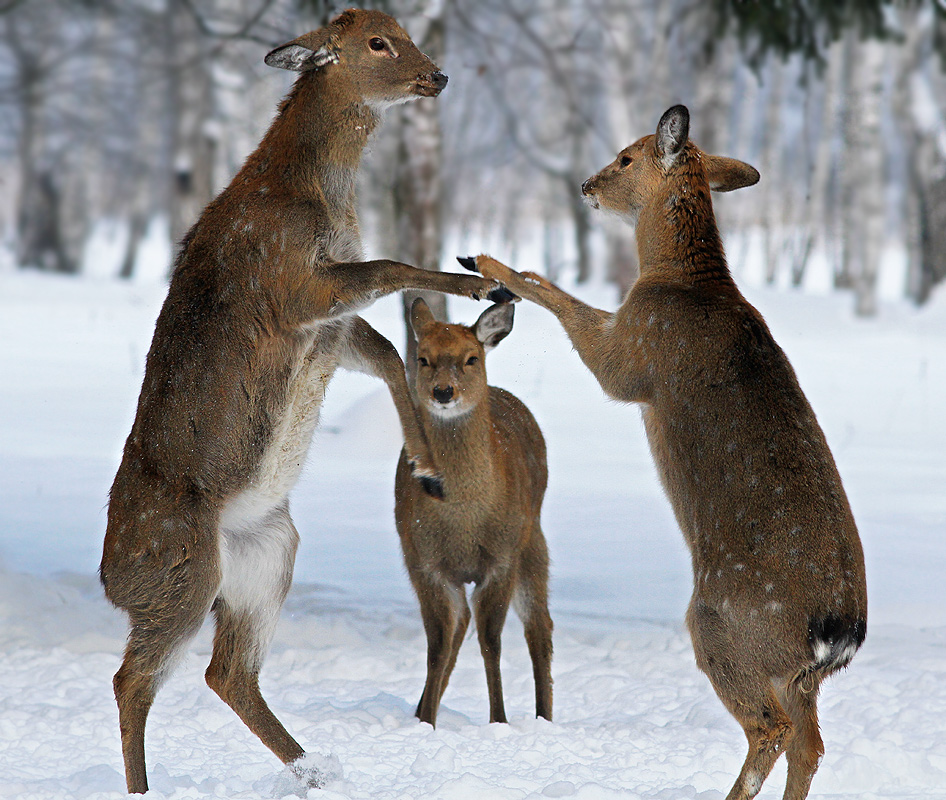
x,y
807,27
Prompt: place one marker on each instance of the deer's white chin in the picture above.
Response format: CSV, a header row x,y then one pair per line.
x,y
447,411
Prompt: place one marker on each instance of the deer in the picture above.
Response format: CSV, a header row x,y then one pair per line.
x,y
487,531
779,599
260,312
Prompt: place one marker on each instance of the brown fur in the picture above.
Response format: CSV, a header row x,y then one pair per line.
x,y
259,314
779,599
487,531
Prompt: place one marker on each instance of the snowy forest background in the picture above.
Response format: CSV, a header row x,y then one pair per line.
x,y
119,119
117,116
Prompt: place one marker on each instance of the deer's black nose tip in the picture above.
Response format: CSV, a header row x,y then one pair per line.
x,y
443,394
586,186
439,80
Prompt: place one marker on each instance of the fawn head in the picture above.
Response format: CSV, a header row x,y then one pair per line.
x,y
451,375
382,63
658,166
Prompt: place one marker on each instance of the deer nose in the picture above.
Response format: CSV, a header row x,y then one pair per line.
x,y
586,186
439,80
443,394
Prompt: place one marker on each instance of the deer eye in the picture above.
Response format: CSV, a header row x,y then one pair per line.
x,y
423,361
626,161
471,361
377,44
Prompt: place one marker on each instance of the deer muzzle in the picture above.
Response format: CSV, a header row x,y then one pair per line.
x,y
431,85
442,394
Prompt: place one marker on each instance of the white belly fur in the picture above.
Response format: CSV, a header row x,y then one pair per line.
x,y
283,459
257,538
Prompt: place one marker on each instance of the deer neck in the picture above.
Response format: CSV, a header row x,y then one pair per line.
x,y
316,142
677,236
463,444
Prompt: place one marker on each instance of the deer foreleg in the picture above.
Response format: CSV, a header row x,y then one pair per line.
x,y
610,357
368,351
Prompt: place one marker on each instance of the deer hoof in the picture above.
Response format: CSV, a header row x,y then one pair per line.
x,y
468,262
502,295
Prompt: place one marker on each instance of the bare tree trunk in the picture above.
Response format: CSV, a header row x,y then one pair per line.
x,y
39,235
623,264
819,223
137,227
924,213
418,186
774,196
191,100
864,176
582,226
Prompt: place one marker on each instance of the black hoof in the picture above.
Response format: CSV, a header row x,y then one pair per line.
x,y
468,262
433,486
502,295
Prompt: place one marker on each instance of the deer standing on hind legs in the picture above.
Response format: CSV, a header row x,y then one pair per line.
x,y
259,314
779,599
487,530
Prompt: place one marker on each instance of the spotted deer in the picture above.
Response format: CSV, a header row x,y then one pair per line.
x,y
260,312
779,599
487,530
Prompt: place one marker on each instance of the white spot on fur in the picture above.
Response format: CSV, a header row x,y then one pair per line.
x,y
753,783
773,607
821,650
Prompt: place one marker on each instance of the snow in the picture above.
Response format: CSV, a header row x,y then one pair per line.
x,y
633,716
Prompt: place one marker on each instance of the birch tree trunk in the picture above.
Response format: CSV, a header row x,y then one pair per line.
x,y
920,119
820,222
774,196
418,184
865,224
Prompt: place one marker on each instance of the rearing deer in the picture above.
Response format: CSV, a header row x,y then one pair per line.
x,y
259,314
779,599
487,531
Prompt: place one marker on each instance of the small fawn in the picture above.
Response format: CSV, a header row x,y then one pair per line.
x,y
779,599
487,530
259,314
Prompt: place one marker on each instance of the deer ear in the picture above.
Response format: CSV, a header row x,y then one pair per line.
x,y
726,174
310,51
494,325
672,132
421,315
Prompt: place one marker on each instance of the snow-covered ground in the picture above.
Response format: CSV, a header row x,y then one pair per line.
x,y
633,716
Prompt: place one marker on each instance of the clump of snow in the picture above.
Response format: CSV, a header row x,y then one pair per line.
x,y
633,716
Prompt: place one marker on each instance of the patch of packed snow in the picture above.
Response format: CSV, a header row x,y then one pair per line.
x,y
633,716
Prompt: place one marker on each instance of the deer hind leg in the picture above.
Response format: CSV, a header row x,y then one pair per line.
x,y
167,592
805,748
446,616
491,603
747,693
257,566
530,600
